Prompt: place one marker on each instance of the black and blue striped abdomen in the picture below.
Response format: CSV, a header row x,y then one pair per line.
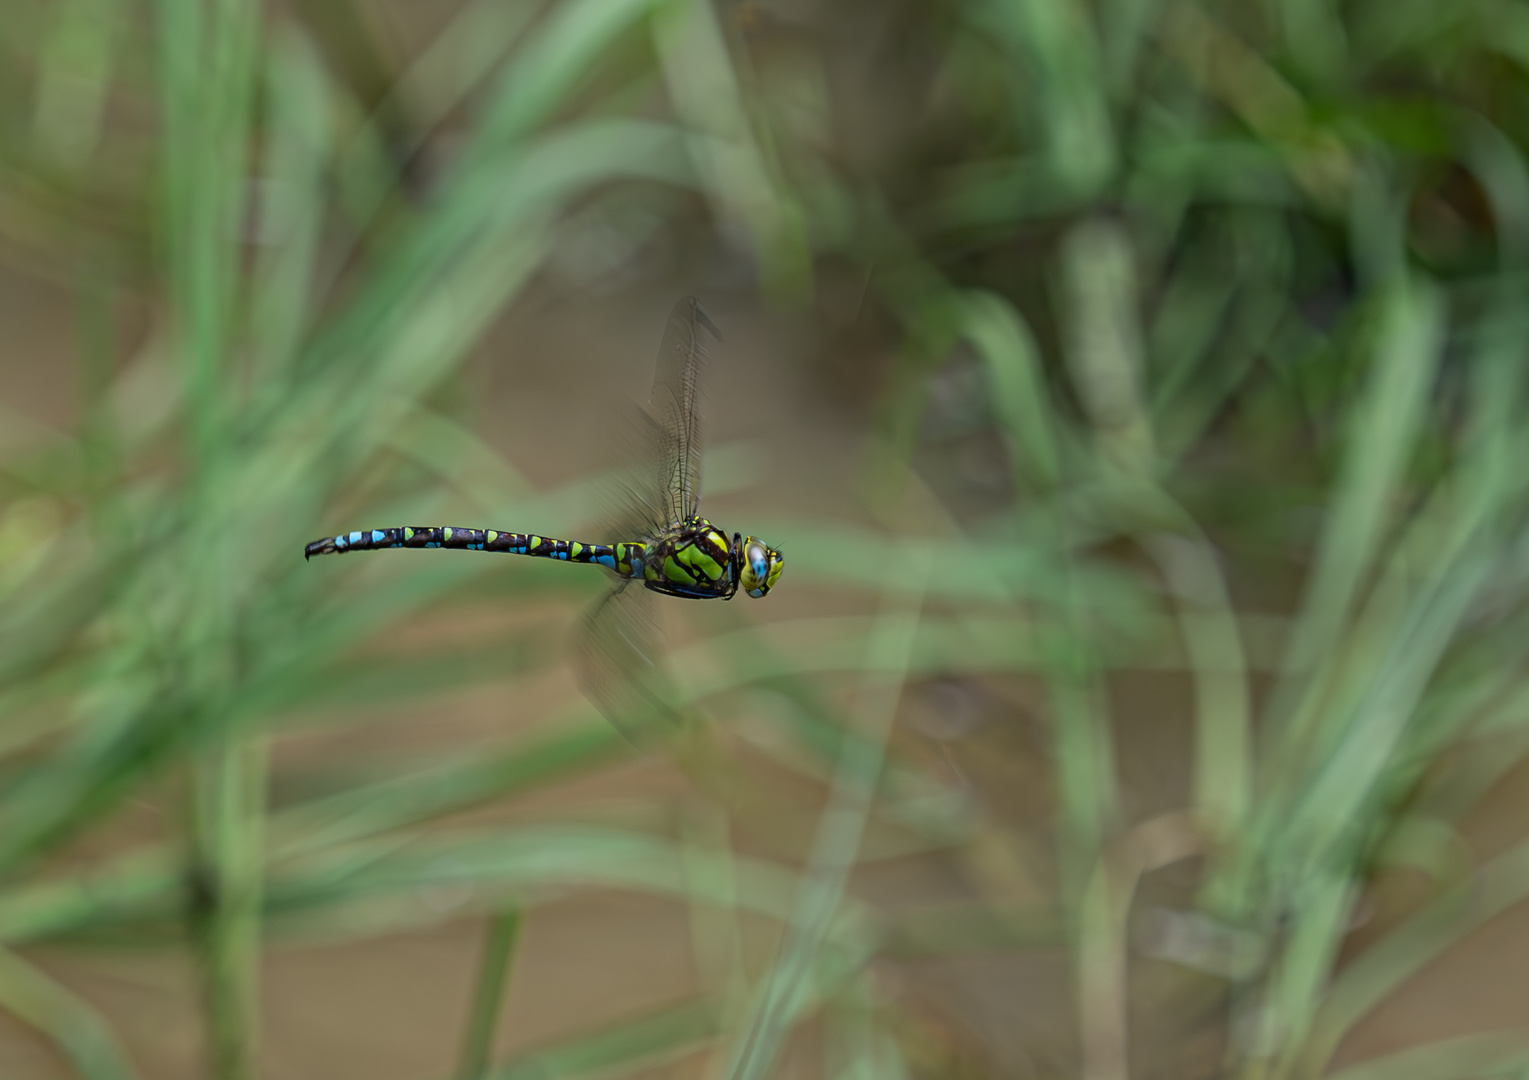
x,y
624,559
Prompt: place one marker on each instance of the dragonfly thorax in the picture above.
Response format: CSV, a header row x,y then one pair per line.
x,y
695,559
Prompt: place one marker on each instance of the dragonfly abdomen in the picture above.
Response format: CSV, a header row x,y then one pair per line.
x,y
624,559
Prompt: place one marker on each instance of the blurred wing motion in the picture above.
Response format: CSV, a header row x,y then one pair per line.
x,y
620,668
621,672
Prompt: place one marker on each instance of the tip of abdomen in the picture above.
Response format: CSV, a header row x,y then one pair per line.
x,y
319,547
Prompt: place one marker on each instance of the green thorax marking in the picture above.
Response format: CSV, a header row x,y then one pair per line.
x,y
693,558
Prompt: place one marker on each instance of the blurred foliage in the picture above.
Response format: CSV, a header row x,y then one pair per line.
x,y
1193,338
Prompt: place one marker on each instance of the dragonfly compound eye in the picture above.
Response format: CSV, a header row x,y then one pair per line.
x,y
761,567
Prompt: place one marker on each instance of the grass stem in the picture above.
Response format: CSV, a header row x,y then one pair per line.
x,y
488,996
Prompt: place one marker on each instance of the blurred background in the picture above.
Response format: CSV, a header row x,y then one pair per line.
x,y
1137,389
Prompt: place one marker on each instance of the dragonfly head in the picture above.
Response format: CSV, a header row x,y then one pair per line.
x,y
760,565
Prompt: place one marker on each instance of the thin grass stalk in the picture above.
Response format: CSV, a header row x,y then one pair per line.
x,y
1384,432
494,965
648,1040
1103,355
1207,623
229,782
1486,1056
852,1046
72,1024
716,937
745,190
783,991
1103,950
208,75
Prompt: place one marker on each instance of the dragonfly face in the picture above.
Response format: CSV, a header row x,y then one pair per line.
x,y
759,565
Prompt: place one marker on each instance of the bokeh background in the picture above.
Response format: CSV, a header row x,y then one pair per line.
x,y
1138,391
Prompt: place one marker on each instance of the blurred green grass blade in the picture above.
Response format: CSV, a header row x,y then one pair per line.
x,y
365,810
1083,760
457,294
366,888
971,930
1489,1054
747,193
1453,537
1021,398
1104,348
207,72
1103,934
75,69
489,210
181,28
1315,38
494,965
1124,28
716,932
992,571
836,845
1189,311
39,623
460,58
547,67
1207,622
372,165
1323,824
208,78
207,85
393,873
228,872
1386,424
1500,166
100,768
1211,639
1385,965
488,220
854,1049
1302,971
461,458
1217,320
300,131
1057,42
97,332
148,882
625,1047
70,1023
357,686
129,887
1377,229
1456,537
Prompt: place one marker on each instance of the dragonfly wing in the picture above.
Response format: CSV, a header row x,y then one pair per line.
x,y
621,671
687,338
637,499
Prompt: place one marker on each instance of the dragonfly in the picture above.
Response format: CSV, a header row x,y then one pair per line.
x,y
661,541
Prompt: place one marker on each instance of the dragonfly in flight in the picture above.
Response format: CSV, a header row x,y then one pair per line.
x,y
665,544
